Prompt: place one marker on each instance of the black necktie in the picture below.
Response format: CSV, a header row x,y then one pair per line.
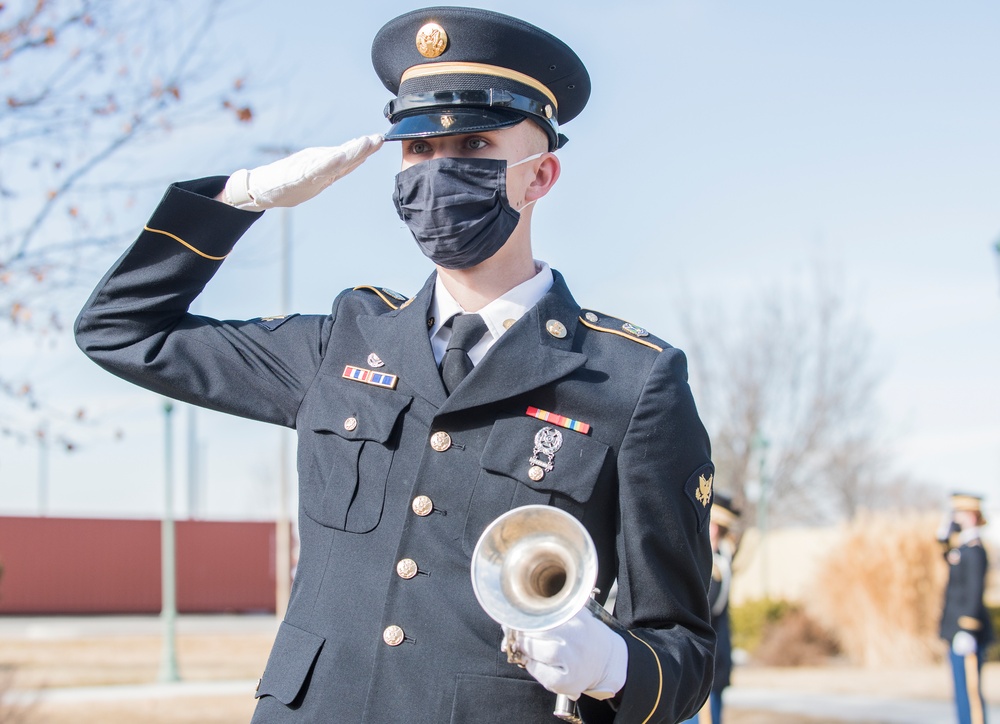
x,y
466,330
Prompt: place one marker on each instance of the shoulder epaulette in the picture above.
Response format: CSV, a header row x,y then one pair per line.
x,y
273,322
603,323
394,299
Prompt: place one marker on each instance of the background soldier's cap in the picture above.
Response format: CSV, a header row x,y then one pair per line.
x,y
967,502
724,513
466,70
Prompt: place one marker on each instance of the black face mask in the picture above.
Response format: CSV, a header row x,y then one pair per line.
x,y
457,208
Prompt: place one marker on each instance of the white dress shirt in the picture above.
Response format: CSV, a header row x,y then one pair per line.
x,y
499,315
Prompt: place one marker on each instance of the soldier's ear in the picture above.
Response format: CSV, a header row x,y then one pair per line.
x,y
546,175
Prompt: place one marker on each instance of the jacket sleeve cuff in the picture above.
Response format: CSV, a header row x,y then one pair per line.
x,y
640,698
189,215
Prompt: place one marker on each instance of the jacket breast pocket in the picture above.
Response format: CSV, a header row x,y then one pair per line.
x,y
507,480
346,452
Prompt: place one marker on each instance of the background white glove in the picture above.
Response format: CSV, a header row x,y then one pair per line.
x,y
583,656
297,178
963,644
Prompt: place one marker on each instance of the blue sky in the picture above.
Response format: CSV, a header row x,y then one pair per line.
x,y
726,148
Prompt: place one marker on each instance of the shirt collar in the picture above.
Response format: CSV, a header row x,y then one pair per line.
x,y
968,535
502,312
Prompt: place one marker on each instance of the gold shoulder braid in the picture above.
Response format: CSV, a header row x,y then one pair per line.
x,y
393,299
603,323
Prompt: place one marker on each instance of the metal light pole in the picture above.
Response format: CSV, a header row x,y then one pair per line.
x,y
43,470
193,486
996,248
761,443
283,523
168,610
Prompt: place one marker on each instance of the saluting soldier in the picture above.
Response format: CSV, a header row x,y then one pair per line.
x,y
965,622
421,420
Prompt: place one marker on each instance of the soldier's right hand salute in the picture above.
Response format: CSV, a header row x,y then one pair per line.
x,y
296,178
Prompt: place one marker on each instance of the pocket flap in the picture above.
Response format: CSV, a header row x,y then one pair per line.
x,y
355,411
289,664
576,465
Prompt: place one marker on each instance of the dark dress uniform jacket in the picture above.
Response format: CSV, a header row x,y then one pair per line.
x,y
964,608
637,481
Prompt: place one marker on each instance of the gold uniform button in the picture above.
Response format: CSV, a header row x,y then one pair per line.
x,y
508,323
536,473
406,568
422,506
393,635
591,317
556,328
440,441
351,424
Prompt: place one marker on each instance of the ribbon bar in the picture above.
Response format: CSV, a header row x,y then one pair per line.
x,y
370,377
568,423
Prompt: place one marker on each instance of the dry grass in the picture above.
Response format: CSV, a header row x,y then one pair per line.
x,y
133,659
880,590
795,640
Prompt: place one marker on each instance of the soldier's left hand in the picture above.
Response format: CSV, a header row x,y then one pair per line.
x,y
583,656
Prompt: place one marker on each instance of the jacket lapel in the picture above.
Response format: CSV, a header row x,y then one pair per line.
x,y
400,338
526,357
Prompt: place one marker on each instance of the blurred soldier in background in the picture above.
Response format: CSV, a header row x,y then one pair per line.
x,y
724,536
965,623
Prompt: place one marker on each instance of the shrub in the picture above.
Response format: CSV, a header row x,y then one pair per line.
x,y
749,619
795,639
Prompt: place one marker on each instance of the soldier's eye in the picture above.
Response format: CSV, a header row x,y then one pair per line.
x,y
420,147
477,144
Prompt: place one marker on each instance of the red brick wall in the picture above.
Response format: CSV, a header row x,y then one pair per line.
x,y
90,566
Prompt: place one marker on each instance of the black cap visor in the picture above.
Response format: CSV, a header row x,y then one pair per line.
x,y
451,122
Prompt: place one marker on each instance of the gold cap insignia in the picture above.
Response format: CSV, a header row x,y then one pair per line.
x,y
704,493
432,40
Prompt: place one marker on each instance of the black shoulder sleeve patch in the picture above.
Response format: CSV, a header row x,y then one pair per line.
x,y
699,490
272,323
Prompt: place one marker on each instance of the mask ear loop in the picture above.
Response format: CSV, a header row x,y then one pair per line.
x,y
525,160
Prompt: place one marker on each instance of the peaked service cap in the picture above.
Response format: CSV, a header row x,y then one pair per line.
x,y
464,70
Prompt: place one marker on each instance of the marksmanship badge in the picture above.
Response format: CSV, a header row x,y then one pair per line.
x,y
548,440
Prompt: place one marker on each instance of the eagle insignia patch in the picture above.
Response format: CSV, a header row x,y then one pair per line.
x,y
699,491
704,494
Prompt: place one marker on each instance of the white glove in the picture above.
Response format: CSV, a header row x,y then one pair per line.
x,y
297,178
583,656
963,644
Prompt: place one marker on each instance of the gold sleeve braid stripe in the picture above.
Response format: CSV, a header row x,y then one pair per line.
x,y
184,243
659,670
972,689
620,334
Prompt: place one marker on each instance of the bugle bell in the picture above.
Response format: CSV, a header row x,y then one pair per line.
x,y
533,569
